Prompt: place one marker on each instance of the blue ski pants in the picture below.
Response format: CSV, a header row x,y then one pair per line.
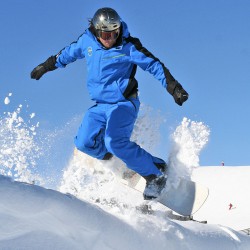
x,y
108,128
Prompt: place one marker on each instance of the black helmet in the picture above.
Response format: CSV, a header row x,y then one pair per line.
x,y
106,19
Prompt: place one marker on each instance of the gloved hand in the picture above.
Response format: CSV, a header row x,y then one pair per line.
x,y
177,91
43,68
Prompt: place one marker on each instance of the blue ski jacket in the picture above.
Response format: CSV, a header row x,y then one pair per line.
x,y
111,72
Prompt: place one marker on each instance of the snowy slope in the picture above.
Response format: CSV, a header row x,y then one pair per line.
x,y
36,218
229,199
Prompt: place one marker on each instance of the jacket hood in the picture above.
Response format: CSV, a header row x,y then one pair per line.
x,y
125,31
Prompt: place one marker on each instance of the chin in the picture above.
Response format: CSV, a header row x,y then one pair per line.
x,y
107,45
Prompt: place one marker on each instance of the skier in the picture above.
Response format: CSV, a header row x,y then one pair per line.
x,y
112,56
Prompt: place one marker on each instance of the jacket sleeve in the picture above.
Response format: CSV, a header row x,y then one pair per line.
x,y
71,53
148,62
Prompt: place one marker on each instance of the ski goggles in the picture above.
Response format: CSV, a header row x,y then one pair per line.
x,y
108,35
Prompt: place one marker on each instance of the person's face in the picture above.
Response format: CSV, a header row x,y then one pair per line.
x,y
108,39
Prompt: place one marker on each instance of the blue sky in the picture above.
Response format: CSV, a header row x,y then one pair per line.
x,y
205,44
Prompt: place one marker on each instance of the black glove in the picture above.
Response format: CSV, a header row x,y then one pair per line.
x,y
176,90
43,68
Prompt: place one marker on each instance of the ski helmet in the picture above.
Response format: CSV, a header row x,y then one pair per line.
x,y
106,19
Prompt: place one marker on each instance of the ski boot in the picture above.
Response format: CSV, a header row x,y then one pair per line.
x,y
154,186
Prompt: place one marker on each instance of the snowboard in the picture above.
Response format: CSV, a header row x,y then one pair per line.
x,y
184,197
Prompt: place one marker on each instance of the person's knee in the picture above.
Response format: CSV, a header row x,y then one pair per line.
x,y
80,145
98,152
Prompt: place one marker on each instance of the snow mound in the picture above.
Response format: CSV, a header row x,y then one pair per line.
x,y
33,217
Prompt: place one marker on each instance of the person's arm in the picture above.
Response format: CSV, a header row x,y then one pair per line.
x,y
148,62
67,55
